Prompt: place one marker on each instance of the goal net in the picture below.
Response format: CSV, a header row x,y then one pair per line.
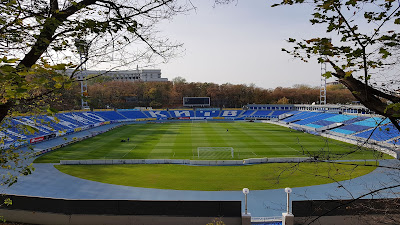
x,y
215,152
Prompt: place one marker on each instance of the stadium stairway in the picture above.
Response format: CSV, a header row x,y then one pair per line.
x,y
248,113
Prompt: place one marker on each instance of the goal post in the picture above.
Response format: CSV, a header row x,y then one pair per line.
x,y
215,152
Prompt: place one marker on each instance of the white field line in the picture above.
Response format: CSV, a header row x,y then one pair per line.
x,y
293,148
254,153
129,151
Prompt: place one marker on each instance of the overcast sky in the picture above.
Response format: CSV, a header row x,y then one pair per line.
x,y
241,44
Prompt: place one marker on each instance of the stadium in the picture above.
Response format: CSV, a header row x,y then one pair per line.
x,y
241,134
204,154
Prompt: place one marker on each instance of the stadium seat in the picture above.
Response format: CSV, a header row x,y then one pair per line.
x,y
351,129
230,113
247,113
262,114
382,133
181,113
372,122
207,113
316,117
161,114
300,116
132,114
111,115
276,113
340,118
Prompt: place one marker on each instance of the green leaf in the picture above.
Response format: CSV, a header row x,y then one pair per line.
x,y
58,85
384,53
348,73
52,110
328,74
21,90
7,201
394,106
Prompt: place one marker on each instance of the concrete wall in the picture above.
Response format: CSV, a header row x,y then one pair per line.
x,y
350,220
350,211
39,210
31,217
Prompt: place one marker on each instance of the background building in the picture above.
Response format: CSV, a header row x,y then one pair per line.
x,y
126,75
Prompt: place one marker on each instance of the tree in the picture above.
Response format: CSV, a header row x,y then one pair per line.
x,y
179,80
363,49
39,38
283,100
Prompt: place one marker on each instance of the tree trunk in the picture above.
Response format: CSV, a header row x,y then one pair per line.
x,y
4,109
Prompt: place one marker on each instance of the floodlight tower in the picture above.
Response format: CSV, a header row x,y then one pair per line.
x,y
83,50
322,89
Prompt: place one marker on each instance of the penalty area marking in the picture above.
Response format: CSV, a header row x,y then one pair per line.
x,y
129,151
254,153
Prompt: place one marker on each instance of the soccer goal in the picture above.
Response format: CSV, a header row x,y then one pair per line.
x,y
215,152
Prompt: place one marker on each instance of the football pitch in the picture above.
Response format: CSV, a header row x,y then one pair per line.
x,y
182,140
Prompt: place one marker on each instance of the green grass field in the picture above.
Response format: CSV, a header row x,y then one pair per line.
x,y
181,140
218,178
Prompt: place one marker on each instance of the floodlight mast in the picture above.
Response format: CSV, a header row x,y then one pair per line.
x,y
322,89
83,50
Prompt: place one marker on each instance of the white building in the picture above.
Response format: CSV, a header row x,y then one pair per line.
x,y
126,75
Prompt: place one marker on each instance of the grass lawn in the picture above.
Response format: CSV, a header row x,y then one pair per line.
x,y
181,140
217,178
